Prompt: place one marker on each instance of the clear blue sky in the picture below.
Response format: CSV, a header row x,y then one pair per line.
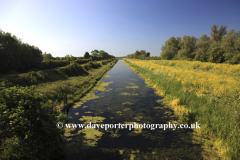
x,y
119,27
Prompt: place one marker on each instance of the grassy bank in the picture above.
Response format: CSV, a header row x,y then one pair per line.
x,y
29,114
67,92
51,75
200,92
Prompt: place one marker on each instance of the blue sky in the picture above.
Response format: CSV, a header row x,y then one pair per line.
x,y
119,27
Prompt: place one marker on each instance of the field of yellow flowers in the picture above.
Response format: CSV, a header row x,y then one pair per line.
x,y
202,78
211,91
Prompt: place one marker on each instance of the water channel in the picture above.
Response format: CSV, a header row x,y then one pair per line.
x,y
125,98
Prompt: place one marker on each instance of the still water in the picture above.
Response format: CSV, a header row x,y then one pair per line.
x,y
124,97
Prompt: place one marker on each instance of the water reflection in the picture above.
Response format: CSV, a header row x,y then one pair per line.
x,y
126,99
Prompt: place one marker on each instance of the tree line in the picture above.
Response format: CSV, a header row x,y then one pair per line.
x,y
94,53
139,55
98,53
221,47
17,56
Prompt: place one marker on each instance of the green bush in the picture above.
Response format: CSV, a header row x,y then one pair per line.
x,y
28,126
25,79
235,59
91,65
153,58
82,61
53,64
73,69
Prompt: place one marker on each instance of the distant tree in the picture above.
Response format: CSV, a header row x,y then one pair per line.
x,y
170,49
179,39
187,46
163,47
86,55
72,58
47,56
228,43
218,34
212,45
202,46
111,56
203,38
95,52
137,54
143,54
69,58
222,47
216,55
132,56
148,54
237,42
103,54
236,57
17,56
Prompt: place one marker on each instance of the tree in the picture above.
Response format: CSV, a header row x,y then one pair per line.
x,y
218,34
69,57
237,42
148,54
103,54
216,55
236,57
17,56
143,54
95,52
47,56
86,55
137,54
202,46
228,43
132,56
170,49
163,47
187,46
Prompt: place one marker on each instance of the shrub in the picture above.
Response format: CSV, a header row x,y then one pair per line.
x,y
73,69
28,126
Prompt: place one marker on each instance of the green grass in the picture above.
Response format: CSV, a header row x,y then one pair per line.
x,y
74,88
69,83
218,117
51,75
54,86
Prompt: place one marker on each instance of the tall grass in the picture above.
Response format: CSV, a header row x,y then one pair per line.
x,y
73,88
208,93
39,105
215,80
49,75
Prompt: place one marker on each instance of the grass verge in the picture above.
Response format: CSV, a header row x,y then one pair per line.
x,y
67,92
219,119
